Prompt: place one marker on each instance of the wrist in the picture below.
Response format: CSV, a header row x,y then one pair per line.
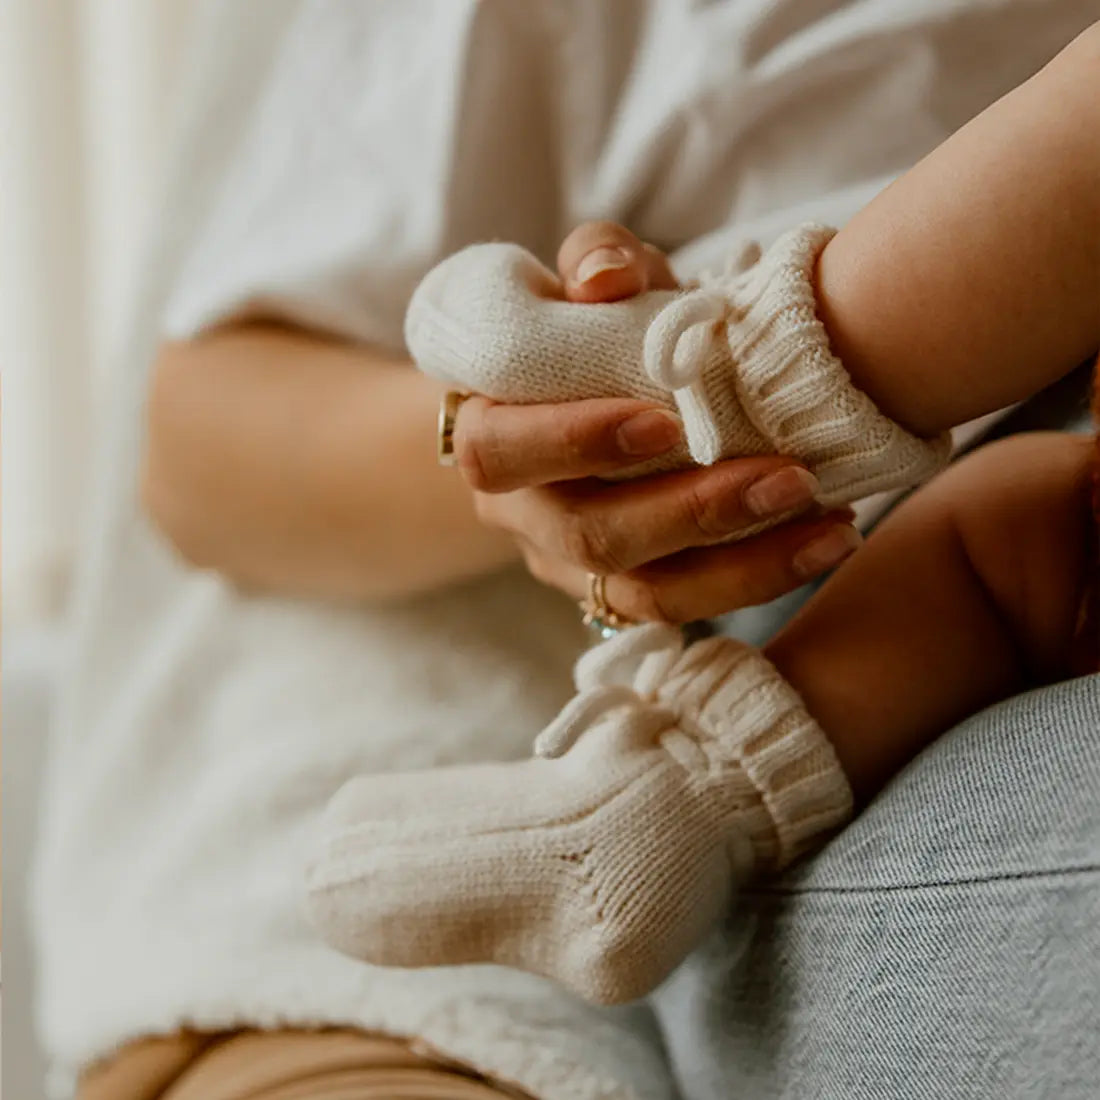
x,y
802,394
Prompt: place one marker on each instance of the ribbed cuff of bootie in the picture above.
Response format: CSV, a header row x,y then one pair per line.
x,y
742,356
740,725
745,716
798,393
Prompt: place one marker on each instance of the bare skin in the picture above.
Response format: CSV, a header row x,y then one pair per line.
x,y
967,595
971,283
293,463
274,452
996,235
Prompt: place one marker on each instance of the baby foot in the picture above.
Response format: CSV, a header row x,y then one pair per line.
x,y
671,777
742,358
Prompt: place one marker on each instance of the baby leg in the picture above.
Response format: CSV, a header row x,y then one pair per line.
x,y
968,594
678,771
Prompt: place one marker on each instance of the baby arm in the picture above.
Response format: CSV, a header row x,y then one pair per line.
x,y
971,283
974,281
677,771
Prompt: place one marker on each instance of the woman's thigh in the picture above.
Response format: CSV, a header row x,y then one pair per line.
x,y
945,945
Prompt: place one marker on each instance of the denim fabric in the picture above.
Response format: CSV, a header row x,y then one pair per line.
x,y
946,945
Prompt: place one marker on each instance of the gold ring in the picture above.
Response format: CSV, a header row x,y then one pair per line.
x,y
449,404
597,613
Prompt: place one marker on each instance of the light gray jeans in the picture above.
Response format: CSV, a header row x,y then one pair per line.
x,y
945,945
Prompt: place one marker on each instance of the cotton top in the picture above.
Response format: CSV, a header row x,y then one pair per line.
x,y
332,152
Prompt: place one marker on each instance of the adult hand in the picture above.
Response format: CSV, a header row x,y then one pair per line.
x,y
662,541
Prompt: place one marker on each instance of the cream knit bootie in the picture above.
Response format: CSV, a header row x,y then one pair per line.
x,y
673,775
742,357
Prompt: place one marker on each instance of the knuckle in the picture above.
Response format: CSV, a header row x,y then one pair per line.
x,y
611,232
575,438
576,541
479,449
472,464
760,584
587,543
703,513
645,601
754,591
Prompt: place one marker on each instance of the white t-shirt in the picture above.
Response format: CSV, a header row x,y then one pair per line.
x,y
333,152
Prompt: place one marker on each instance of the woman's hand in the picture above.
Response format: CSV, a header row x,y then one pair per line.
x,y
660,540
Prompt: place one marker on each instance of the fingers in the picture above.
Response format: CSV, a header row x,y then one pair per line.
x,y
707,582
710,581
616,528
500,448
603,262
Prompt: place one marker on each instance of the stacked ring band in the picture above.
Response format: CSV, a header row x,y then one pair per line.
x,y
597,612
449,404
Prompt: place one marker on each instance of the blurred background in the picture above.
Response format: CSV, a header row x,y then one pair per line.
x,y
87,89
87,99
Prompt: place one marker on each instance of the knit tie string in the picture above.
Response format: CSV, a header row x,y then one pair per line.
x,y
622,673
679,341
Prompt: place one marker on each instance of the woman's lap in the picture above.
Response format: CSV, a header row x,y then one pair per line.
x,y
946,944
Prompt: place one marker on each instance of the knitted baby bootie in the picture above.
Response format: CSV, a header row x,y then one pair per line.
x,y
742,357
672,776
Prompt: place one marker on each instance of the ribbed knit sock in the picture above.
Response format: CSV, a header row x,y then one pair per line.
x,y
673,775
742,357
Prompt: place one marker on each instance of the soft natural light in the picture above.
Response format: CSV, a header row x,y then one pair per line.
x,y
85,94
86,91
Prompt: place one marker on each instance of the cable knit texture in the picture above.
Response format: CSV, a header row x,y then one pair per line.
x,y
673,775
741,356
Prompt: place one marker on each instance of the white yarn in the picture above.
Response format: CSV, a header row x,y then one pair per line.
x,y
741,356
675,773
624,671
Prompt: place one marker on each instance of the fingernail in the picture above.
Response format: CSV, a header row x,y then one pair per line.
x,y
826,551
783,491
649,433
598,261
